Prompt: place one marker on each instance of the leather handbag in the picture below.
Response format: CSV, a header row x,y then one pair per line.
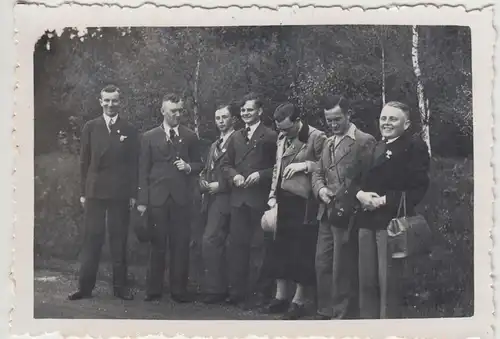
x,y
299,184
408,236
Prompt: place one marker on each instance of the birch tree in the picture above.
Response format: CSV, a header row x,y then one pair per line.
x,y
423,104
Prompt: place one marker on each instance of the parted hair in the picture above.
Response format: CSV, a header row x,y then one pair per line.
x,y
401,106
286,110
252,96
110,89
330,101
173,97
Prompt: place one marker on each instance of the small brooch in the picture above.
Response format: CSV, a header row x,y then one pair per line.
x,y
388,154
223,150
123,137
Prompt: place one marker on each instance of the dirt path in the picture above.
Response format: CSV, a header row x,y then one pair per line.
x,y
53,287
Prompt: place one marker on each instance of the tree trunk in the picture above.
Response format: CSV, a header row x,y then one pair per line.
x,y
423,105
195,97
383,71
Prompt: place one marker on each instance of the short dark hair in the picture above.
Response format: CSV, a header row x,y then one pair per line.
x,y
173,97
110,89
330,101
401,106
286,110
232,107
252,96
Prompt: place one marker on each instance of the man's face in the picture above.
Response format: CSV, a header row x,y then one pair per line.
x,y
172,112
249,113
223,120
393,122
110,103
337,120
288,127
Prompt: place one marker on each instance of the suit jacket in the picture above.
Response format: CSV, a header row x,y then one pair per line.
x,y
256,156
108,161
159,178
348,164
401,166
212,172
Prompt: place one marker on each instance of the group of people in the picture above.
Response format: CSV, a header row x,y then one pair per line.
x,y
334,193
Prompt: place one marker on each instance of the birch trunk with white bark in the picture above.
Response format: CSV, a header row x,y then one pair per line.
x,y
423,104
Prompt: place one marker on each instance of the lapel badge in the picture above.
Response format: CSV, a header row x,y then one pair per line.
x,y
123,137
118,131
388,154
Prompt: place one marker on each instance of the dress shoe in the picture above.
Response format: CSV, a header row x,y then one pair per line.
x,y
124,294
79,295
152,297
181,298
318,316
295,312
277,306
214,298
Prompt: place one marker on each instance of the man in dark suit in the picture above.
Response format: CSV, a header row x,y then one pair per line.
x,y
344,156
248,165
216,207
169,159
108,165
400,163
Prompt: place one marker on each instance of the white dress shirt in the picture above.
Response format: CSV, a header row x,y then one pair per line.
x,y
109,119
252,129
167,129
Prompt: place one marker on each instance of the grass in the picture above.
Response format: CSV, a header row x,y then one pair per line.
x,y
436,285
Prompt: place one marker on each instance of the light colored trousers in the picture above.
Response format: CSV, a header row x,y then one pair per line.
x,y
379,276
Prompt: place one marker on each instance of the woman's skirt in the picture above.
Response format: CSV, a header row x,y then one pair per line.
x,y
294,248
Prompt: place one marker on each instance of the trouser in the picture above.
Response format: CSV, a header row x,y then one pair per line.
x,y
337,271
245,233
170,225
378,290
214,248
98,213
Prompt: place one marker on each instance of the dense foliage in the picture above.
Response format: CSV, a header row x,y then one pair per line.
x,y
214,65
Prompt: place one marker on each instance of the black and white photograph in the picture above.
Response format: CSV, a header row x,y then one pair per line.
x,y
279,172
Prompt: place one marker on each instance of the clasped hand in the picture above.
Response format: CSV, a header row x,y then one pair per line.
x,y
370,200
210,187
240,181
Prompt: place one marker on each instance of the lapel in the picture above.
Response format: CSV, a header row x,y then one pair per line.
x,y
107,136
380,154
221,153
211,157
160,139
347,146
252,144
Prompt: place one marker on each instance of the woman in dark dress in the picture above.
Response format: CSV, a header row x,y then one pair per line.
x,y
292,254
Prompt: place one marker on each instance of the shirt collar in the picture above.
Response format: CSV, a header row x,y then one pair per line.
x,y
351,133
107,119
167,129
391,140
253,128
225,137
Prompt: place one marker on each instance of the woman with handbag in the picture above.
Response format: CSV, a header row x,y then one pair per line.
x,y
398,173
291,259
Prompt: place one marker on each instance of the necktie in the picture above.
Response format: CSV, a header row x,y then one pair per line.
x,y
246,132
288,142
219,143
172,134
110,125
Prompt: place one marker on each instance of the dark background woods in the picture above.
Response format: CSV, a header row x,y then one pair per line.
x,y
298,63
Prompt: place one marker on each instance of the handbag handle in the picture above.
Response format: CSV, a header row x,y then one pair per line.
x,y
402,203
